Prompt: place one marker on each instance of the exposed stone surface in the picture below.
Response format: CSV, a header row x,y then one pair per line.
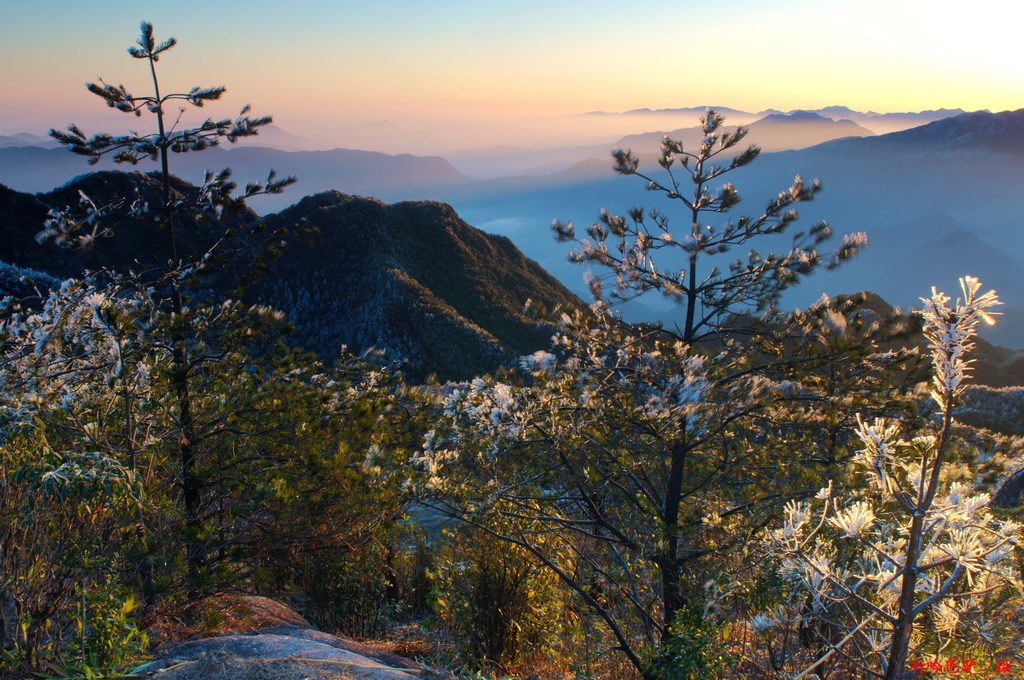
x,y
284,653
262,638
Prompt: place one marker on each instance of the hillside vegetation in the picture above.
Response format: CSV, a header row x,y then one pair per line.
x,y
513,483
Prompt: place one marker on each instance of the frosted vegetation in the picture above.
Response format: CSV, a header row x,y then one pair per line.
x,y
749,493
908,542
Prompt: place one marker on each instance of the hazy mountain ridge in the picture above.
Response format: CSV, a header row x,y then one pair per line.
x,y
34,169
979,135
30,171
686,111
871,184
884,123
878,123
26,139
511,161
770,130
775,132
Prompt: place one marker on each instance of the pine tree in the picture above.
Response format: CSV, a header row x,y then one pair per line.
x,y
711,301
907,560
629,460
213,200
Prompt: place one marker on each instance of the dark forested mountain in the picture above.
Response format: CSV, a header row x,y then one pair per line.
x,y
138,243
992,365
410,278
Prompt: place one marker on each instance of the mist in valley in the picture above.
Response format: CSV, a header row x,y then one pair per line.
x,y
936,197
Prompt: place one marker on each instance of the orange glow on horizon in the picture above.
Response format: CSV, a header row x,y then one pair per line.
x,y
321,67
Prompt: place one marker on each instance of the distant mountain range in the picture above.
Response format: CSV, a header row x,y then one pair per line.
x,y
965,171
323,168
36,169
883,123
774,132
877,123
977,136
937,201
686,111
411,278
26,139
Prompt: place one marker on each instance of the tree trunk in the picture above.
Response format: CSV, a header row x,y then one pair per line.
x,y
904,626
668,562
190,485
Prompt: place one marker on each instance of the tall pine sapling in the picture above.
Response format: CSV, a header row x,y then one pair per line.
x,y
631,247
713,304
211,200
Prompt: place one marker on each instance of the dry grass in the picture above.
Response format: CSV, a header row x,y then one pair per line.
x,y
220,614
229,614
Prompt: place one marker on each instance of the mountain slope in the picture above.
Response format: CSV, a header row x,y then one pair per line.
x,y
980,135
410,278
138,243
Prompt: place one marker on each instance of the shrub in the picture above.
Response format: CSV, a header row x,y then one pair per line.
x,y
502,606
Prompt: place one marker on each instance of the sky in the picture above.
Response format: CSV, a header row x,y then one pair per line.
x,y
511,68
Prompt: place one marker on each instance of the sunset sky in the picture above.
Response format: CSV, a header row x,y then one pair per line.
x,y
323,66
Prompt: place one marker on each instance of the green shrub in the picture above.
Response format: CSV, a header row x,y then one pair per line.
x,y
502,607
694,649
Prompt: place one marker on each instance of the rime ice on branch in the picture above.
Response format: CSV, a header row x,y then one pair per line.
x,y
913,561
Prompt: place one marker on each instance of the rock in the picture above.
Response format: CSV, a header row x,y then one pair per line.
x,y
284,654
263,638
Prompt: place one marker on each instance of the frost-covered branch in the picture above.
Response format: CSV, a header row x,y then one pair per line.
x,y
909,542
